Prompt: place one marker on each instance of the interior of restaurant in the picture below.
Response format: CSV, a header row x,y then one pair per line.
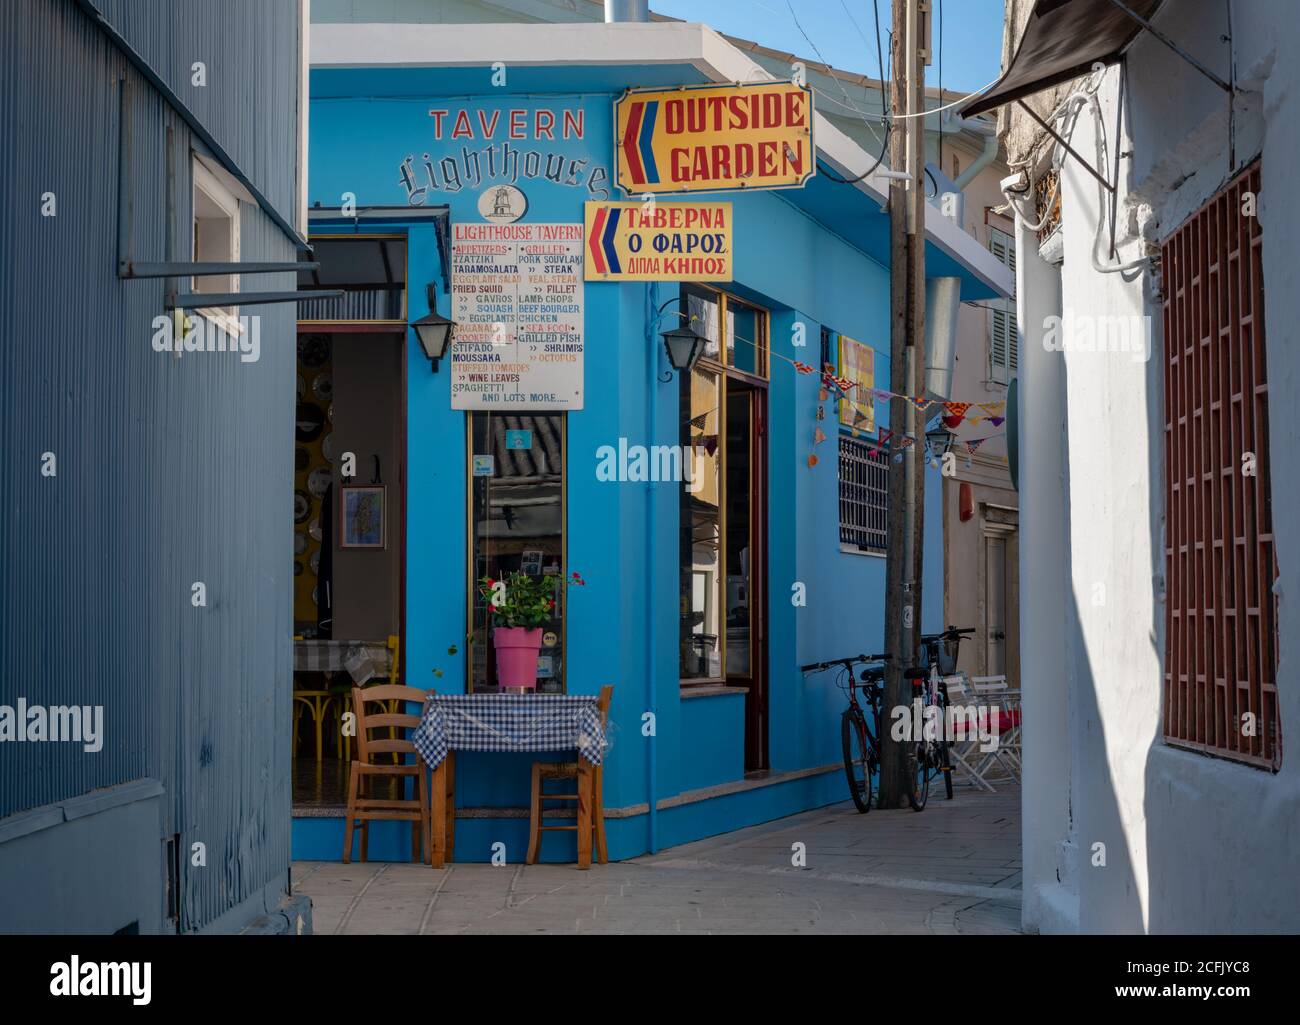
x,y
348,528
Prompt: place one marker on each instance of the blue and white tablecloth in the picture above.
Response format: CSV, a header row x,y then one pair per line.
x,y
510,722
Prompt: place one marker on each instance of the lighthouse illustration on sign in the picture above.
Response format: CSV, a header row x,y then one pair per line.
x,y
502,204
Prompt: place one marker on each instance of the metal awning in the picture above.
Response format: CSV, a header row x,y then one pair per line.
x,y
1061,41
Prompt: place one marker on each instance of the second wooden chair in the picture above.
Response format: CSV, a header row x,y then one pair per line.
x,y
543,771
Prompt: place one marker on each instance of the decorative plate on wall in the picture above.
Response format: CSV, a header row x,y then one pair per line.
x,y
318,481
301,459
329,413
310,421
315,561
301,506
327,446
322,386
299,543
313,350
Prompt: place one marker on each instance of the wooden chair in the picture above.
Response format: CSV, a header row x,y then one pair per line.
x,y
542,771
364,767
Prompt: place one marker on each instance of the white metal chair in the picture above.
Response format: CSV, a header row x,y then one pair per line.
x,y
1000,696
965,751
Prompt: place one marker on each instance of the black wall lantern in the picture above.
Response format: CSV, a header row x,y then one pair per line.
x,y
940,440
434,331
684,347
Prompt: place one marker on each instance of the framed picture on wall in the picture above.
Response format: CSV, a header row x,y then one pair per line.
x,y
361,516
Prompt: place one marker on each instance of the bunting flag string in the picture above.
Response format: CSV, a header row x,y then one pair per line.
x,y
953,413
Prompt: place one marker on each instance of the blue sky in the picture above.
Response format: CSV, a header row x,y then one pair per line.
x,y
841,30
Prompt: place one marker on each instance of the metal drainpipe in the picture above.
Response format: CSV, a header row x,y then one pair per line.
x,y
627,10
987,155
652,661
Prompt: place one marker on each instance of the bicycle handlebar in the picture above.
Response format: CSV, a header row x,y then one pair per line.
x,y
848,663
951,634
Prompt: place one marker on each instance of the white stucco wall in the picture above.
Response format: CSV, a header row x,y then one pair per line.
x,y
1192,843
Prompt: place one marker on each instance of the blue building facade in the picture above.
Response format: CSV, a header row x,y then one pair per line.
x,y
401,133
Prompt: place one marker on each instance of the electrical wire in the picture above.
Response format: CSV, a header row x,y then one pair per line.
x,y
866,117
954,103
884,103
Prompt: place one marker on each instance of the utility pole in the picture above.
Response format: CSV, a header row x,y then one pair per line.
x,y
909,55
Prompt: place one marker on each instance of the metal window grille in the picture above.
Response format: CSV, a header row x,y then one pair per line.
x,y
1221,651
864,495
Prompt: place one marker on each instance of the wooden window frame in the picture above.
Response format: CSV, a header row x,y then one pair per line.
x,y
725,371
471,582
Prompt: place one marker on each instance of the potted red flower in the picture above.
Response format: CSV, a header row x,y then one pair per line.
x,y
519,604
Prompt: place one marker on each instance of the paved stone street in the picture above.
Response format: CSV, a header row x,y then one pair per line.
x,y
954,868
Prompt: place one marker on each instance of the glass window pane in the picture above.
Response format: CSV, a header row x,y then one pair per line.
x,y
745,338
739,482
700,555
518,525
701,307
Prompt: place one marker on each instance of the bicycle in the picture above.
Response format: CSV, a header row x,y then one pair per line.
x,y
928,755
858,740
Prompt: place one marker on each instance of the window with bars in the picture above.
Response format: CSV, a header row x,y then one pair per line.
x,y
1221,639
864,496
1004,359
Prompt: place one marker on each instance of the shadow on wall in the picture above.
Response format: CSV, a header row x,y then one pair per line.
x,y
1109,899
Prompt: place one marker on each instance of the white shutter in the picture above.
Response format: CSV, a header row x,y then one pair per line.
x,y
1004,355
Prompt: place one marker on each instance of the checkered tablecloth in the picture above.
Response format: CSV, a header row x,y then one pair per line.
x,y
363,660
510,722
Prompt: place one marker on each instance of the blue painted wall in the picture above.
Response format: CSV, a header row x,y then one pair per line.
x,y
622,626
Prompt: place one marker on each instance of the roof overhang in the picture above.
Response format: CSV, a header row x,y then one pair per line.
x,y
1062,40
600,57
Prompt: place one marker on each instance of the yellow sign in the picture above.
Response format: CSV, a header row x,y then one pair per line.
x,y
652,241
858,364
715,138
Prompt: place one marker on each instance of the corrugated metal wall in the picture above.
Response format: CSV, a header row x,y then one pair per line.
x,y
169,471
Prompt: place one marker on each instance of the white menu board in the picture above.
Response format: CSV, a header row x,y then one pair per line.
x,y
517,301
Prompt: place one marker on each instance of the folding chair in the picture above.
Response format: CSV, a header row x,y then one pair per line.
x,y
966,752
995,691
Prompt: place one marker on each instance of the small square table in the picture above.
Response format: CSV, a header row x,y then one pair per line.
x,y
507,722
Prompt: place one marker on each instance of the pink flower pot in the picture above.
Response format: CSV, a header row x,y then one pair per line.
x,y
517,649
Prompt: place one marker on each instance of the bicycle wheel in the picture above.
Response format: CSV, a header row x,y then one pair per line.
x,y
857,768
918,773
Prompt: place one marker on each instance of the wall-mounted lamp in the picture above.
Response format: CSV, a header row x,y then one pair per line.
x,y
434,331
940,440
684,347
